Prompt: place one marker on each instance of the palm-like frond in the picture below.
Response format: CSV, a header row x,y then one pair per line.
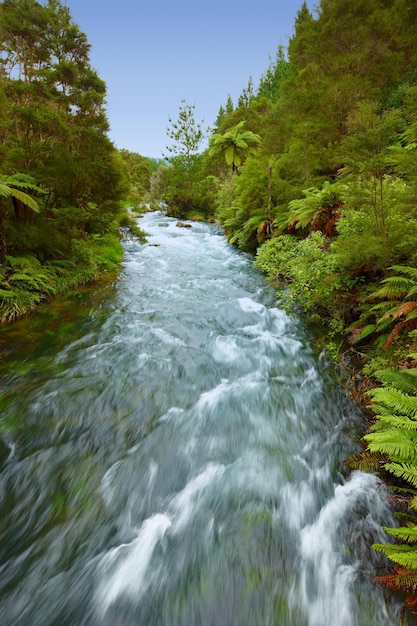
x,y
11,187
317,210
235,144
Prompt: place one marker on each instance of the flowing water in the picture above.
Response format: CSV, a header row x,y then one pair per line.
x,y
172,455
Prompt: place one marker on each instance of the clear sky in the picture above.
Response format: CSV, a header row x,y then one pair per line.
x,y
154,53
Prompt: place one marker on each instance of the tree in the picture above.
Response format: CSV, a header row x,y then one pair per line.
x,y
229,108
271,81
247,96
186,134
236,144
180,191
56,130
318,210
365,150
139,174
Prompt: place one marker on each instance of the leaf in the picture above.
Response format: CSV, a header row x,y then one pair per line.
x,y
407,472
399,445
402,554
404,309
6,294
396,400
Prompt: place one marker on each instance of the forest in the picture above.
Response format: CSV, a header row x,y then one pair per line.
x,y
313,171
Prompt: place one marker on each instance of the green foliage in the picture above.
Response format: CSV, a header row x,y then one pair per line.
x,y
404,555
271,81
107,252
128,223
181,185
26,281
186,135
314,281
274,257
318,210
395,315
73,178
235,144
247,96
394,435
11,188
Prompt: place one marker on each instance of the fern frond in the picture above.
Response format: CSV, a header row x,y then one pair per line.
x,y
365,332
399,402
395,548
399,445
405,269
393,287
404,555
398,421
367,461
405,309
394,333
403,380
404,579
405,471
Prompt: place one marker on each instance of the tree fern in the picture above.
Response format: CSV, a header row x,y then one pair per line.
x,y
235,144
318,210
11,187
399,303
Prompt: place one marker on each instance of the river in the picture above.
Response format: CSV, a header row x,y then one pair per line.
x,y
172,455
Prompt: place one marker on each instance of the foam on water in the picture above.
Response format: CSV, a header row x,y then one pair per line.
x,y
326,578
124,568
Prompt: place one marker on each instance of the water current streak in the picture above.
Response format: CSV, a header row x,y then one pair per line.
x,y
173,456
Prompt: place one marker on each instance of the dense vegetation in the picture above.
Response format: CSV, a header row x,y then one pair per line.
x,y
62,182
314,171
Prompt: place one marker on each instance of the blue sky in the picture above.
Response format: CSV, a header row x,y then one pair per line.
x,y
153,54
